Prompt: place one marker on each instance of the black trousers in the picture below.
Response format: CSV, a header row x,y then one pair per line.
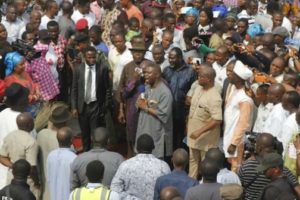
x,y
89,120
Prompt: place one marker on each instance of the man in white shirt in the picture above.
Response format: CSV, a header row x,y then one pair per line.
x,y
118,57
83,11
250,12
264,108
222,56
12,24
278,114
50,14
290,102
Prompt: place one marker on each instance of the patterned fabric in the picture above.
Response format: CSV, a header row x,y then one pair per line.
x,y
136,180
106,24
59,50
40,72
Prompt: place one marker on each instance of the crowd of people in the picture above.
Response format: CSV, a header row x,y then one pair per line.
x,y
205,95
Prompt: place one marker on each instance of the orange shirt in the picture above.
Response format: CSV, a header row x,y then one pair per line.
x,y
26,82
133,11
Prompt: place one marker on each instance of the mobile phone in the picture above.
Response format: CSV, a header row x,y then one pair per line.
x,y
196,61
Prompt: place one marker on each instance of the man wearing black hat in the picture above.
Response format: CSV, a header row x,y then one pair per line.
x,y
130,86
272,166
16,101
90,94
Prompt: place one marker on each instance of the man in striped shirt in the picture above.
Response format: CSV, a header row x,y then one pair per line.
x,y
254,182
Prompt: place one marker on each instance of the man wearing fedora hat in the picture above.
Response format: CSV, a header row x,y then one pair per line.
x,y
130,86
47,141
16,100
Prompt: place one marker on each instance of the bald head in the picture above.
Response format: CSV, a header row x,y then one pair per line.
x,y
216,155
180,158
275,93
265,143
169,193
208,72
67,7
223,49
145,63
35,13
64,137
100,137
25,122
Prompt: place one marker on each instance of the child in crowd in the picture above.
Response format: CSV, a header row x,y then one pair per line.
x,y
134,28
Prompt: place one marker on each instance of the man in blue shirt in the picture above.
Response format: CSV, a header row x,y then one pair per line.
x,y
178,178
180,76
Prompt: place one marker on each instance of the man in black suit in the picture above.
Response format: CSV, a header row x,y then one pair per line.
x,y
90,94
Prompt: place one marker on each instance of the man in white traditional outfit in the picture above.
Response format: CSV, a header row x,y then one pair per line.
x,y
238,113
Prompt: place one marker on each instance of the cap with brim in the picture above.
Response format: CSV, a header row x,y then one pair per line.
x,y
15,94
270,160
44,35
60,115
281,31
138,47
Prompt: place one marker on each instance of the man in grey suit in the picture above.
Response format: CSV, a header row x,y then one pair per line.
x,y
110,160
90,94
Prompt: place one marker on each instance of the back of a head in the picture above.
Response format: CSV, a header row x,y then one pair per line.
x,y
21,169
293,98
180,158
67,7
169,193
145,144
25,122
209,170
64,137
216,155
265,142
100,137
94,171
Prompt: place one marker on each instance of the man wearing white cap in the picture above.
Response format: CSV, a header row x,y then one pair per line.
x,y
237,114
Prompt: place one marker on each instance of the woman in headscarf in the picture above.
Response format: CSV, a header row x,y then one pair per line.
x,y
15,73
191,17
